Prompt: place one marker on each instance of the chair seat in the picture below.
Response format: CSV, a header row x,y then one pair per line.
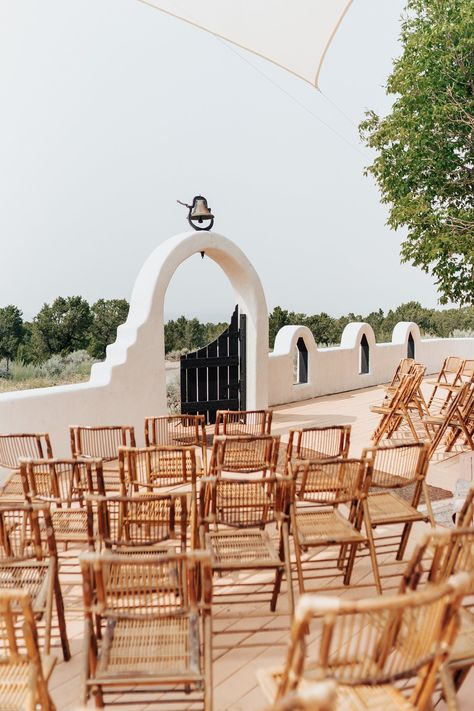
x,y
242,549
463,648
13,488
317,527
70,524
150,648
386,507
371,698
32,577
15,683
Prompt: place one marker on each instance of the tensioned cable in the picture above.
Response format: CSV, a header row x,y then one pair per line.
x,y
297,101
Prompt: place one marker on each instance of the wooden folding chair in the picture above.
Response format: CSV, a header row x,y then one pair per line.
x,y
397,481
179,431
24,671
318,443
368,646
155,613
327,509
62,484
394,411
29,560
456,421
137,523
448,381
14,447
404,367
149,469
243,422
251,454
235,515
437,556
102,442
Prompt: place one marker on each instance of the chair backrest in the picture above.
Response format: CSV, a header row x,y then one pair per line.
x,y
136,522
145,586
26,532
437,556
397,465
178,431
243,422
242,503
19,649
402,368
14,447
246,453
61,482
143,469
456,411
100,442
319,442
467,371
371,641
329,482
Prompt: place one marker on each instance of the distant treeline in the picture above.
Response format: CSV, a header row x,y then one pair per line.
x,y
70,324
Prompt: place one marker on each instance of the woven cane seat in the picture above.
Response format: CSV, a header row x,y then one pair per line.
x,y
371,698
150,647
15,683
31,577
238,549
463,648
319,526
70,524
13,488
386,507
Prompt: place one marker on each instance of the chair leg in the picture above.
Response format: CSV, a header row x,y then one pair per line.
x,y
289,580
404,540
276,589
449,689
61,618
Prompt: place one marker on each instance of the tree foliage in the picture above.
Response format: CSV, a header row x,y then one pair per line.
x,y
425,147
62,327
189,334
107,315
11,332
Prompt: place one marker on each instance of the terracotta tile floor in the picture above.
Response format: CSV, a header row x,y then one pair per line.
x,y
235,681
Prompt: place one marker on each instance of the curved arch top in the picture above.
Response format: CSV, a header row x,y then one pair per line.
x,y
140,341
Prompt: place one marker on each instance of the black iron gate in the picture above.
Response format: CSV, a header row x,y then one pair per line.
x,y
213,377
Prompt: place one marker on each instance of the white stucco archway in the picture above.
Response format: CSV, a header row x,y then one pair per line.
x,y
131,383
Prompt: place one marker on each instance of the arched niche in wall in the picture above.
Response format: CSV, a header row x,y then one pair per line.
x,y
301,362
411,346
364,362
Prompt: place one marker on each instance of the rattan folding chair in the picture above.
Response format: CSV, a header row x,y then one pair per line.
x,y
29,560
235,515
369,645
457,420
398,468
318,443
448,381
403,368
155,613
397,409
63,484
243,422
251,454
24,672
137,523
102,442
150,469
328,509
179,431
437,556
14,447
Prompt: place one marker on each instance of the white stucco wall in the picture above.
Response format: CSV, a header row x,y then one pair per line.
x,y
131,383
332,370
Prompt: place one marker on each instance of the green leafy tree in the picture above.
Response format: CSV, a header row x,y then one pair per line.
x,y
11,332
107,315
425,146
61,327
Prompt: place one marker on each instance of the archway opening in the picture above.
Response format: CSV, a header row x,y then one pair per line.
x,y
364,363
411,347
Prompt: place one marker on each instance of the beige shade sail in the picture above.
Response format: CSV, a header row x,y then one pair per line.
x,y
294,34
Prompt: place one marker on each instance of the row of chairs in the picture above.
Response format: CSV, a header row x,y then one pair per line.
x,y
449,418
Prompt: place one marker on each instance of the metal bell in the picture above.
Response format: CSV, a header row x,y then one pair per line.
x,y
199,210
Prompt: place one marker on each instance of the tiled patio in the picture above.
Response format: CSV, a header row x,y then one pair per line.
x,y
242,653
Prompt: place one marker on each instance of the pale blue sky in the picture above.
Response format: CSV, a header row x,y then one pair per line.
x,y
111,110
